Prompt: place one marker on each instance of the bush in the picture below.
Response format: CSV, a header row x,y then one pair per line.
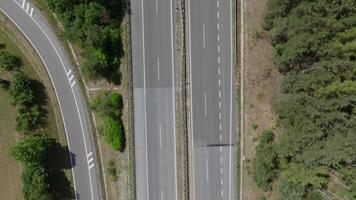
x,y
20,89
8,61
264,164
113,132
27,118
108,104
112,170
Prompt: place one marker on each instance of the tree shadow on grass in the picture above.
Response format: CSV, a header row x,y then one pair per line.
x,y
60,185
41,99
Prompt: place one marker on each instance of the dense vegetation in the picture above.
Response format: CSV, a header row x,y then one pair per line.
x,y
41,174
42,177
94,25
315,49
109,106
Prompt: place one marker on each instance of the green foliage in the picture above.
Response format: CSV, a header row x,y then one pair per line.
x,y
20,89
33,149
262,197
314,195
264,165
110,104
289,191
95,26
112,170
315,43
35,183
113,132
27,117
8,61
303,176
254,126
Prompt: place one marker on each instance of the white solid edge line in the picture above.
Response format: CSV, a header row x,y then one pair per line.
x,y
55,91
231,77
191,93
80,119
144,92
174,96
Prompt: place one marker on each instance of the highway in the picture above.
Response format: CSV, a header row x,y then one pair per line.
x,y
152,35
71,102
212,98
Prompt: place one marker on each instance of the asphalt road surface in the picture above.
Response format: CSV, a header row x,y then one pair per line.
x,y
71,103
210,57
152,29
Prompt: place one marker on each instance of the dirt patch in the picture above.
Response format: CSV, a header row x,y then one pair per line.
x,y
262,83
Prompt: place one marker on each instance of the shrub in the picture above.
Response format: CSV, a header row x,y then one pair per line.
x,y
108,104
264,164
27,118
35,183
112,170
113,133
20,89
290,191
8,61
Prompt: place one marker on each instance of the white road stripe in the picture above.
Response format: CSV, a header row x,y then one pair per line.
x,y
219,104
218,26
158,72
90,160
72,84
204,37
89,154
218,37
160,135
69,72
205,105
23,3
70,79
207,171
220,115
219,70
218,48
220,127
219,82
31,13
218,15
161,194
156,7
218,59
220,137
91,166
217,4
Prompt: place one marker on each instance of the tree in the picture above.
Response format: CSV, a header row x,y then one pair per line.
x,y
27,117
35,183
34,149
8,61
20,89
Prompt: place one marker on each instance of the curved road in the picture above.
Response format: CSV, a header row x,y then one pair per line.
x,y
71,103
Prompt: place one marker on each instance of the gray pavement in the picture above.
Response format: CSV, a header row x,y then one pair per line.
x,y
71,102
152,29
210,55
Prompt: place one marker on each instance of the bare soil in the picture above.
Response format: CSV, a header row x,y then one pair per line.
x,y
262,83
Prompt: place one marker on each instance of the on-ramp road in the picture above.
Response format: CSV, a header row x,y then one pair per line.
x,y
71,103
212,98
152,29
